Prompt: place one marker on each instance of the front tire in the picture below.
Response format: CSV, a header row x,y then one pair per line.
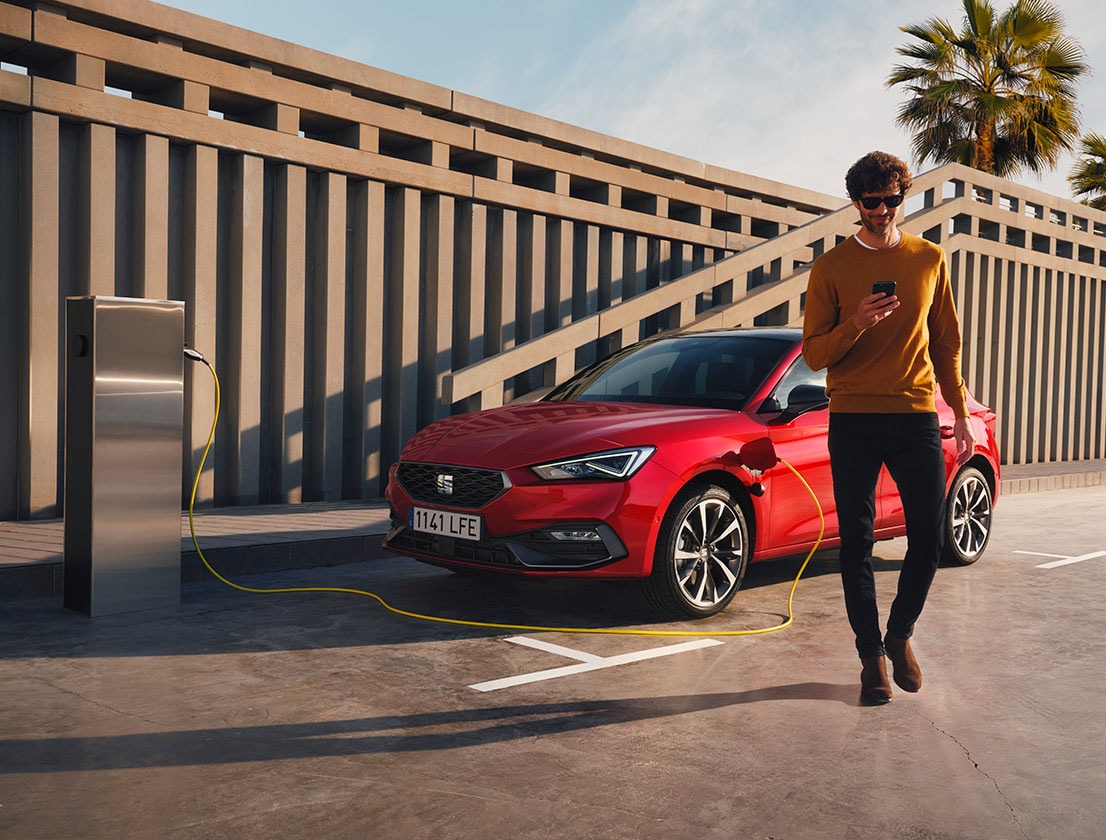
x,y
968,514
701,554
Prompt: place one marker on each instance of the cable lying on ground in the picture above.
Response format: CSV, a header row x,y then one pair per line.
x,y
531,628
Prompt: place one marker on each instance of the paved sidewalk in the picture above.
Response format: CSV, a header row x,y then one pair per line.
x,y
270,538
239,541
1031,478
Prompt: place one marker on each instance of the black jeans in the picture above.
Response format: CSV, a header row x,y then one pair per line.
x,y
910,446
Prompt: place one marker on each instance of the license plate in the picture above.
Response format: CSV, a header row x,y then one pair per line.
x,y
464,526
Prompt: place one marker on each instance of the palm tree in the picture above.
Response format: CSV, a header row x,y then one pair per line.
x,y
999,95
1088,176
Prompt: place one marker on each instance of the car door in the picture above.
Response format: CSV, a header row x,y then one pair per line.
x,y
793,520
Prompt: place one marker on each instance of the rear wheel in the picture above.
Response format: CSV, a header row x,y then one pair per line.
x,y
701,554
967,518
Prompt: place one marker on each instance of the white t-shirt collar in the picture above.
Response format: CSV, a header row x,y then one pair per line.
x,y
864,244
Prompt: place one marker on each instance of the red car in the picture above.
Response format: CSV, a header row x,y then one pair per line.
x,y
633,469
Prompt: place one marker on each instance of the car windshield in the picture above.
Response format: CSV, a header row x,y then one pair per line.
x,y
708,370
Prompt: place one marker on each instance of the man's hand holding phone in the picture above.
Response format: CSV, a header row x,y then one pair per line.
x,y
876,306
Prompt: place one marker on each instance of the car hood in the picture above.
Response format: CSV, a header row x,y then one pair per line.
x,y
519,435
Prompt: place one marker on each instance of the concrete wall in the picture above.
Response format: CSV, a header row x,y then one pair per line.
x,y
361,253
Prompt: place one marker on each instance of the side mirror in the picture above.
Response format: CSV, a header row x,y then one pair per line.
x,y
803,398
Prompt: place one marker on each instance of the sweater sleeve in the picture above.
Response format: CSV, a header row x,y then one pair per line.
x,y
825,339
944,344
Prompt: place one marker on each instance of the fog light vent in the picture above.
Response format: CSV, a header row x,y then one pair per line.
x,y
586,535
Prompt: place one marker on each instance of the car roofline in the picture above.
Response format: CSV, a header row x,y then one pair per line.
x,y
790,333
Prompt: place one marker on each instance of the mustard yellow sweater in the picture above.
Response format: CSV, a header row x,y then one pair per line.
x,y
895,366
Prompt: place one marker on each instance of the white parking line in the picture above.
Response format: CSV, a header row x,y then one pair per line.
x,y
549,647
1061,559
588,662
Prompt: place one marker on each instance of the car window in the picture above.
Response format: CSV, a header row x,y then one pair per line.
x,y
709,370
640,375
798,374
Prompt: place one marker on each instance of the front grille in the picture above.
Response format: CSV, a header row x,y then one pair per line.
x,y
455,487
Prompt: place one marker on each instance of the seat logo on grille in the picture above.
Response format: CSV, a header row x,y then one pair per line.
x,y
445,485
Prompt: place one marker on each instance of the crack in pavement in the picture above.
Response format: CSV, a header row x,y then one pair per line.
x,y
986,775
105,706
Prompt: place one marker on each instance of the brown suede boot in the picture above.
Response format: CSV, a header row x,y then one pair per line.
x,y
875,688
908,674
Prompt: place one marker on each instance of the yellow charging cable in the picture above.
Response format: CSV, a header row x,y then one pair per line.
x,y
195,356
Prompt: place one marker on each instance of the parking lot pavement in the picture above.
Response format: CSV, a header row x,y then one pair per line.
x,y
323,715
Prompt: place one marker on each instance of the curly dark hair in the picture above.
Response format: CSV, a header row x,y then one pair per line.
x,y
877,172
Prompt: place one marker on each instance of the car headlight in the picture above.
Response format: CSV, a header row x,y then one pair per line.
x,y
616,464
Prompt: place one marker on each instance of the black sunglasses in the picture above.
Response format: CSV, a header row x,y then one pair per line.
x,y
871,202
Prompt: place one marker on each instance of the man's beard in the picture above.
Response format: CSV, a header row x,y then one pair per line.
x,y
878,228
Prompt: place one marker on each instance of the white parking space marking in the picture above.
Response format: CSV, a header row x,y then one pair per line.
x,y
560,650
588,662
1061,559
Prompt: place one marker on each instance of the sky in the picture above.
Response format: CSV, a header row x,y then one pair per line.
x,y
790,90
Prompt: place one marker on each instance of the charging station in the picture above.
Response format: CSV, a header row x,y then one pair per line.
x,y
124,422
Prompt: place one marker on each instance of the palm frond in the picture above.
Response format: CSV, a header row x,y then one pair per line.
x,y
998,94
1088,176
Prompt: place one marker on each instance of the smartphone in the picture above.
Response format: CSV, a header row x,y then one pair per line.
x,y
885,287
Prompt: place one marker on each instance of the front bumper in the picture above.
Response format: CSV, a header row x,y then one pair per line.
x,y
563,547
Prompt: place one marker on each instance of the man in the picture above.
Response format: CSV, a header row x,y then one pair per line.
x,y
886,354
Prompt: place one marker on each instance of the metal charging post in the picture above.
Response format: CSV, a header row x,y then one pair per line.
x,y
124,422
